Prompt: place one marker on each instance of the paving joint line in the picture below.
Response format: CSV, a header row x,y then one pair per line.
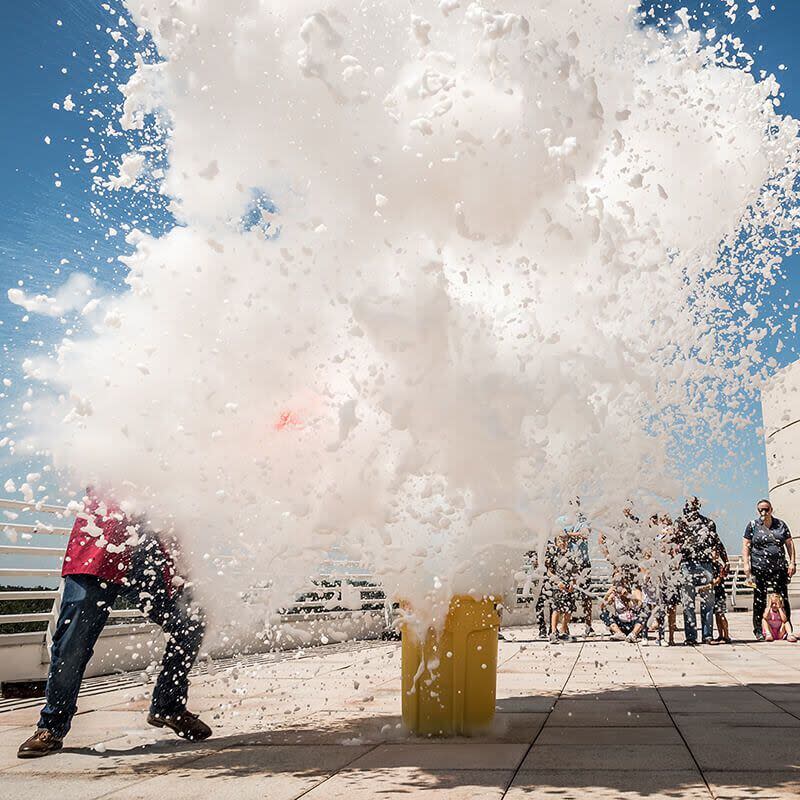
x,y
748,686
338,771
542,727
675,725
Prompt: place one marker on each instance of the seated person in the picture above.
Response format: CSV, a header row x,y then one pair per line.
x,y
774,623
623,612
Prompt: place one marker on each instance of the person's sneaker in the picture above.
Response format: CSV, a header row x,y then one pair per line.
x,y
791,638
631,639
42,743
554,638
664,643
186,725
710,641
542,633
589,631
618,637
759,636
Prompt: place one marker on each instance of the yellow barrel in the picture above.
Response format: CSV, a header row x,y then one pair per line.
x,y
453,692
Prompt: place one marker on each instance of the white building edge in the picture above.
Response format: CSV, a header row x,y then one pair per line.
x,y
780,405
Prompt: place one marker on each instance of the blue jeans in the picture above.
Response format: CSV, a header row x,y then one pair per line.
x,y
693,575
85,605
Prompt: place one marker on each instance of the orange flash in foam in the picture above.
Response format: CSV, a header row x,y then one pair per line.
x,y
287,419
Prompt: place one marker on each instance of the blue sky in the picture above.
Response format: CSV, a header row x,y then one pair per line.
x,y
42,223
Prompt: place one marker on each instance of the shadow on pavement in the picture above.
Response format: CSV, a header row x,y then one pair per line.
x,y
742,741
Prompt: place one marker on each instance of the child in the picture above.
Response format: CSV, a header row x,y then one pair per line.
x,y
562,569
775,624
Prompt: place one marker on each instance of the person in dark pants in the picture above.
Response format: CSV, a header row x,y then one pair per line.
x,y
109,556
700,545
768,558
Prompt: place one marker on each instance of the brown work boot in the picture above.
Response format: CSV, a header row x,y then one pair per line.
x,y
42,743
187,725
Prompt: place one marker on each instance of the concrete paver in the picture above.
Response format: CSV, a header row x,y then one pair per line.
x,y
594,719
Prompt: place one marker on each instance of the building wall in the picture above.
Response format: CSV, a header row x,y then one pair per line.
x,y
780,403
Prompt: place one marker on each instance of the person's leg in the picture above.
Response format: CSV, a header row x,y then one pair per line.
x,y
688,593
672,623
554,620
706,594
540,618
759,601
587,611
183,624
85,604
780,582
612,623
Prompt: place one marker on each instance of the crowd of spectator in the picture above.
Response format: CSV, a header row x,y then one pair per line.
x,y
658,566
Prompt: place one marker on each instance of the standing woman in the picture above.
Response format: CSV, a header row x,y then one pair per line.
x,y
769,560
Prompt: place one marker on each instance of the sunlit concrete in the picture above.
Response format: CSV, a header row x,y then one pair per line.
x,y
595,719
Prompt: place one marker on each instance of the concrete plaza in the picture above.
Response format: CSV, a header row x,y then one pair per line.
x,y
594,719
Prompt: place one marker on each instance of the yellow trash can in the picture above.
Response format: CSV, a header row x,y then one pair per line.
x,y
450,679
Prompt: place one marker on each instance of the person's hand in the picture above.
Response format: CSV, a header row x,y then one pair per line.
x,y
792,569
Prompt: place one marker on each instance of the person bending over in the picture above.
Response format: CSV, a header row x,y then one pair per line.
x,y
110,555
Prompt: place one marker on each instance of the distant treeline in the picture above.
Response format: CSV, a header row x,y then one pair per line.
x,y
36,607
23,607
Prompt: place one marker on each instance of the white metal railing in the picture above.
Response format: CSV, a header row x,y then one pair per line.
x,y
340,586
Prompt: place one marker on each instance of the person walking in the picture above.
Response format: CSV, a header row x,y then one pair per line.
x,y
699,545
768,558
111,555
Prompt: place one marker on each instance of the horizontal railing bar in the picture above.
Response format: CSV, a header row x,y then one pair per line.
x,y
31,595
21,505
10,619
30,550
40,529
116,613
14,572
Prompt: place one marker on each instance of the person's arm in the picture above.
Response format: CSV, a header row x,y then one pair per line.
x,y
765,615
721,572
790,551
784,618
746,542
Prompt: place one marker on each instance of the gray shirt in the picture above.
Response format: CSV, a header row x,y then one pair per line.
x,y
767,545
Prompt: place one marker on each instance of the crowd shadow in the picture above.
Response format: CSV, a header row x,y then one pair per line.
x,y
624,741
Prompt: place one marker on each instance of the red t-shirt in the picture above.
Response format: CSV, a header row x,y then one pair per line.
x,y
102,543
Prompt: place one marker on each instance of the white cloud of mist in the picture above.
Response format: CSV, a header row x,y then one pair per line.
x,y
494,285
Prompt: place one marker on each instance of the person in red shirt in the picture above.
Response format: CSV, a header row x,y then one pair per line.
x,y
110,555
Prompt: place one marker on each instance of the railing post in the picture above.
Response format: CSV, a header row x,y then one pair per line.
x,y
55,611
